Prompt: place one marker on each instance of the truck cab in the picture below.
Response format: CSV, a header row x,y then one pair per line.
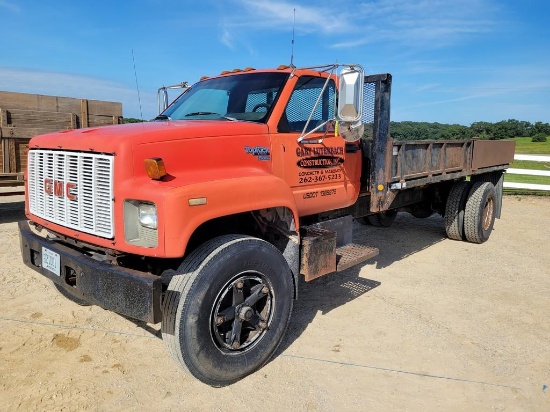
x,y
320,172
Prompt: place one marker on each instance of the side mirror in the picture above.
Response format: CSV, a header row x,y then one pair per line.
x,y
350,94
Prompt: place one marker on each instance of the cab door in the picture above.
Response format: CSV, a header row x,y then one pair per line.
x,y
322,170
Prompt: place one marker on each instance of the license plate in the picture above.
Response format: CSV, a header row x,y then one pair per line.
x,y
50,261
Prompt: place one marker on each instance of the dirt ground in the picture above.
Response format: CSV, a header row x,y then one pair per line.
x,y
430,324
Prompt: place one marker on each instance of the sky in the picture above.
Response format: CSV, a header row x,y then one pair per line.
x,y
458,61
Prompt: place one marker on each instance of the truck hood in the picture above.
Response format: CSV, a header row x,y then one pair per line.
x,y
109,139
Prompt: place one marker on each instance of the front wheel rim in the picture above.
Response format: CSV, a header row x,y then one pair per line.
x,y
242,313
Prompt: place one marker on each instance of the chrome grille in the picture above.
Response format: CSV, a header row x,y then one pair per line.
x,y
72,189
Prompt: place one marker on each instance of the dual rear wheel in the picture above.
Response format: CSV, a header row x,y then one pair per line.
x,y
470,211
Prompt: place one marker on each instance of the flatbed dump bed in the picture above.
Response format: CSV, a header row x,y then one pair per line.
x,y
417,163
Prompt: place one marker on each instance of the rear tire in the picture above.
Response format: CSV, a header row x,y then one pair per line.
x,y
382,219
454,210
479,216
422,211
228,308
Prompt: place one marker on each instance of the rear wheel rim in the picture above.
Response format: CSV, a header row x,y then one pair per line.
x,y
488,211
242,313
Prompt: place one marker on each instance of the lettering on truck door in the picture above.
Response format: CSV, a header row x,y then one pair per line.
x,y
325,175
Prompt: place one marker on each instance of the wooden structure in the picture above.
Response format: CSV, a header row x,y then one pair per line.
x,y
24,115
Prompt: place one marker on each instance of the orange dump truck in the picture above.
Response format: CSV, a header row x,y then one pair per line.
x,y
206,218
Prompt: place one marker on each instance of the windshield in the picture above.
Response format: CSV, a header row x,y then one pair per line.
x,y
247,96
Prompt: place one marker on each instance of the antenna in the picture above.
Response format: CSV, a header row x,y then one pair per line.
x,y
137,86
292,52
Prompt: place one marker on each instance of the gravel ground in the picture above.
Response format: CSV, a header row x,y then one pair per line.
x,y
429,324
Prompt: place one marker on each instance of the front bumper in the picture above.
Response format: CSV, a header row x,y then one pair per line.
x,y
128,292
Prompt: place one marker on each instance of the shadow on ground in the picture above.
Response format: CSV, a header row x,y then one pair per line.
x,y
12,211
404,238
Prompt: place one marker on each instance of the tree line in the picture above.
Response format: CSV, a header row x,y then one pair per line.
x,y
505,129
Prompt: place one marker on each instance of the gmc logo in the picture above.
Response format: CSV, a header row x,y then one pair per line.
x,y
59,188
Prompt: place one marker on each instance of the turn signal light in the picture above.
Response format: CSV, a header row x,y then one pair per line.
x,y
197,201
155,168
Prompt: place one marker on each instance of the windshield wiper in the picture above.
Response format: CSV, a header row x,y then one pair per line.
x,y
202,114
210,113
162,117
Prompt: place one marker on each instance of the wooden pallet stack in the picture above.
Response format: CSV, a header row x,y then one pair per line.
x,y
24,115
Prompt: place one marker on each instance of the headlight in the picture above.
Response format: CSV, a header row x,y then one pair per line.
x,y
140,223
148,215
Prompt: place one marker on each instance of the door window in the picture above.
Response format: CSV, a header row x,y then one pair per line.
x,y
302,101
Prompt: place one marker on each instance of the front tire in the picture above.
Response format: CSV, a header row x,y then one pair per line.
x,y
227,310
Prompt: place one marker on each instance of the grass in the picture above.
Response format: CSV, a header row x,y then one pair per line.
x,y
528,164
539,180
524,192
525,146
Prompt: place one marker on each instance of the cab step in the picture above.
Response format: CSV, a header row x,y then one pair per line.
x,y
353,254
327,247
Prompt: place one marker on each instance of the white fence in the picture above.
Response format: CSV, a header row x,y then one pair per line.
x,y
529,186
